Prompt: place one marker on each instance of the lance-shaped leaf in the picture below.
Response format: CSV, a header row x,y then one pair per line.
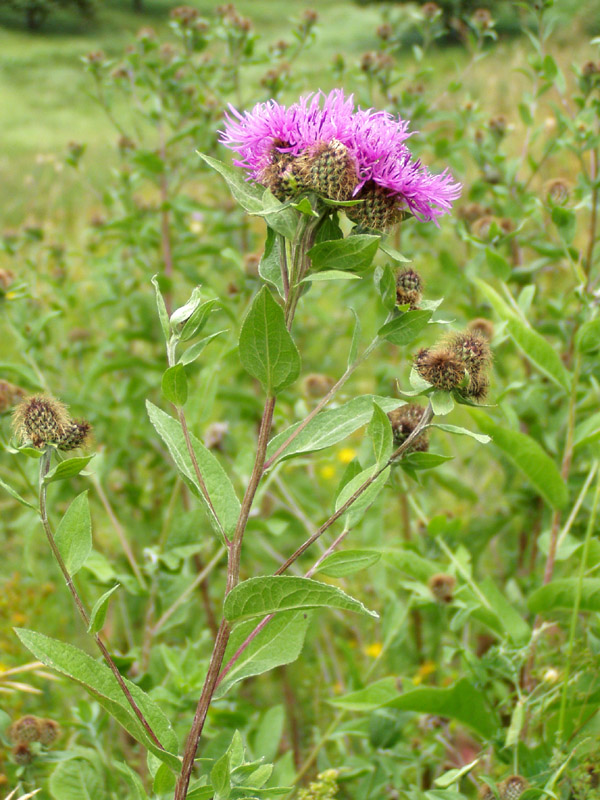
x,y
267,350
100,682
353,253
529,457
220,489
562,593
404,329
73,536
258,597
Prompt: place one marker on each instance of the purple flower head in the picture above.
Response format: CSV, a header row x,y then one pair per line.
x,y
277,140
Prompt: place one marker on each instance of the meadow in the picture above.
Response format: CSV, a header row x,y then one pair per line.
x,y
300,496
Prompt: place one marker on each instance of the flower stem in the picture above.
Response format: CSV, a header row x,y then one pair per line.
x,y
44,469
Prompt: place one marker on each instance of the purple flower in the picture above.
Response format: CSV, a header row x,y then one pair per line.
x,y
271,137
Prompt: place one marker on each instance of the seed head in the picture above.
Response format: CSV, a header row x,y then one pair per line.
x,y
379,209
6,278
49,732
328,169
404,420
76,435
484,327
184,15
442,587
440,367
26,729
431,11
22,754
478,387
590,68
408,288
498,125
483,19
41,419
512,788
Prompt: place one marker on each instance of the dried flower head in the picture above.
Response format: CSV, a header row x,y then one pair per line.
x,y
498,124
440,367
271,137
482,18
184,15
482,226
408,288
25,729
6,278
49,732
442,587
512,788
590,68
484,327
431,11
404,421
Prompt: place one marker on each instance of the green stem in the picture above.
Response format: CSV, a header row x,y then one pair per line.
x,y
575,612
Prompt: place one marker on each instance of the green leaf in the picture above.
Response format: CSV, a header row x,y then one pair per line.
x,y
76,779
381,434
162,310
587,431
192,353
99,681
405,328
267,351
269,268
588,337
353,253
279,642
164,781
452,776
562,594
442,403
98,615
13,493
566,223
424,460
333,426
247,194
393,254
353,352
133,781
347,562
371,697
479,437
220,489
220,778
197,320
360,505
174,385
510,619
279,216
539,351
527,455
330,275
498,265
257,597
386,285
513,734
462,702
73,536
67,469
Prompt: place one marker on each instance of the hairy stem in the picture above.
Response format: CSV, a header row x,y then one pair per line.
x,y
44,469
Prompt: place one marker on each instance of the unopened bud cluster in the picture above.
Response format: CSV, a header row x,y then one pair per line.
x,y
28,730
42,420
442,587
404,422
323,788
460,362
409,287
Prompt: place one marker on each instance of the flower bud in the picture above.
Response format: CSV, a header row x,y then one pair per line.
x,y
557,191
379,209
408,288
404,420
9,395
26,729
440,367
49,732
484,327
512,788
317,385
40,419
472,349
22,754
76,435
442,587
184,15
328,169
